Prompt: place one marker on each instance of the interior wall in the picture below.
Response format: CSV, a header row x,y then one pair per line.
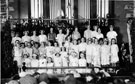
x,y
24,8
20,8
21,11
121,13
14,12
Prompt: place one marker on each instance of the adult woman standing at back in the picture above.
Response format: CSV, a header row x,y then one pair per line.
x,y
51,35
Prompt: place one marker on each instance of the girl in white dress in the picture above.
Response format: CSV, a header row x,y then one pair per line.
x,y
76,35
28,50
82,63
56,48
34,63
35,49
18,55
73,60
87,33
94,33
68,44
64,56
96,53
26,37
89,51
50,64
57,62
27,60
34,37
42,63
99,34
105,53
42,49
114,52
111,34
60,38
49,50
82,45
75,47
42,37
23,49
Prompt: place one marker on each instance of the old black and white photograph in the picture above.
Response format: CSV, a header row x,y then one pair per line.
x,y
67,41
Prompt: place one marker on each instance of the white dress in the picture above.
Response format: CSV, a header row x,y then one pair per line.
x,y
42,63
42,50
27,62
74,62
35,38
89,53
18,55
114,53
68,45
82,63
76,35
65,60
75,48
96,55
82,47
64,57
94,34
105,54
87,34
34,63
50,71
26,39
58,63
99,36
29,51
49,51
42,38
60,38
111,34
56,50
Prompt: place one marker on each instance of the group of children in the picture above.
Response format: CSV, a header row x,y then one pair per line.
x,y
66,50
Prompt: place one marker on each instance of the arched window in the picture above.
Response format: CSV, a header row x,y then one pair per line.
x,y
36,8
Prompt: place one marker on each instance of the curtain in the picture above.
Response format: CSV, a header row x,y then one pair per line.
x,y
84,9
102,8
55,8
33,8
36,8
69,7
